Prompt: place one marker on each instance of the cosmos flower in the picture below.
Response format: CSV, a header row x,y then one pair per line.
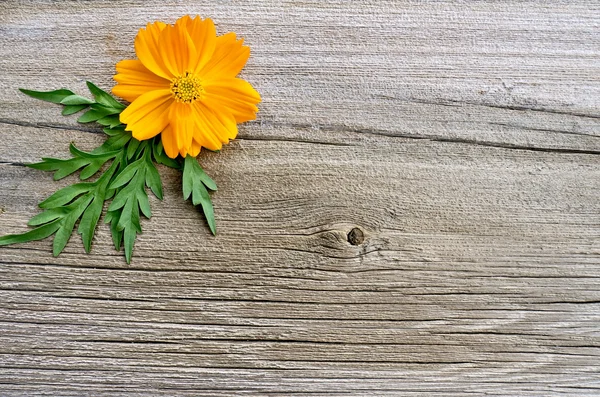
x,y
184,86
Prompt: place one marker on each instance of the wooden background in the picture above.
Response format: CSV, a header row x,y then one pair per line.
x,y
461,139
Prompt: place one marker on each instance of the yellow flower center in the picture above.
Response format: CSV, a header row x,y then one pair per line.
x,y
186,88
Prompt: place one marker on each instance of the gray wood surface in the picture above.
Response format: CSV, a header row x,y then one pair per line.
x,y
414,212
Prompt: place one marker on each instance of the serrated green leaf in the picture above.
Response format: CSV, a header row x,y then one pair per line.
x,y
83,202
93,161
126,175
90,170
118,139
207,181
209,213
144,204
112,217
110,121
66,195
38,233
132,147
188,176
63,168
153,179
91,115
68,167
63,234
89,220
49,96
161,157
126,213
47,216
47,164
200,196
131,199
109,216
99,155
195,172
114,130
167,161
129,235
71,109
104,98
119,201
195,181
107,110
76,100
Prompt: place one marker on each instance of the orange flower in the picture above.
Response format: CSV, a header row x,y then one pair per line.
x,y
184,86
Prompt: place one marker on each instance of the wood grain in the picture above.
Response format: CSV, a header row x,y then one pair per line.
x,y
414,213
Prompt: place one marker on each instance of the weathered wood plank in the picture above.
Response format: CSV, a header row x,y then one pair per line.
x,y
461,139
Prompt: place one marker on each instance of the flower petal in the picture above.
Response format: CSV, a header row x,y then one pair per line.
x,y
146,48
169,142
176,49
237,95
195,149
148,115
228,59
182,122
204,36
134,79
242,111
213,128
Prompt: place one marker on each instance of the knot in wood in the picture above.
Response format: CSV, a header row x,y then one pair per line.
x,y
356,236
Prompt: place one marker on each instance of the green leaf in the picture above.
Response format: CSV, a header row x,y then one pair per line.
x,y
200,196
47,216
92,162
195,184
118,138
65,195
90,170
125,182
67,224
131,199
89,220
92,115
206,180
129,225
39,233
153,179
143,203
68,167
59,220
126,175
94,155
161,157
188,177
129,235
110,121
104,98
71,109
112,217
76,100
105,109
55,96
132,148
